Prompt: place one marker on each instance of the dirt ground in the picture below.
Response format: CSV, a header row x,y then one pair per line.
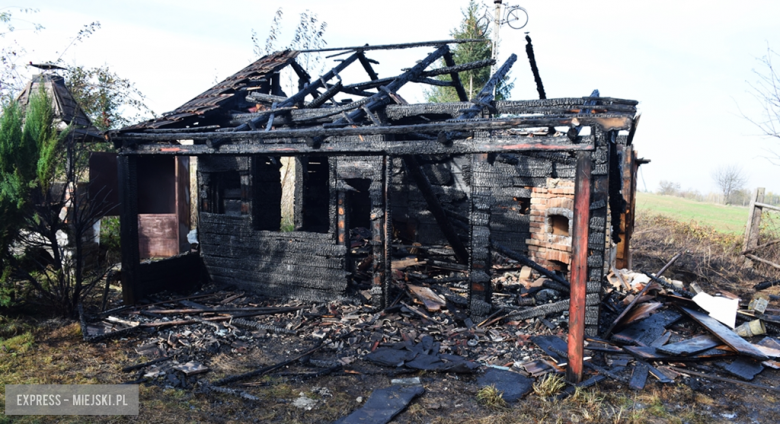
x,y
40,350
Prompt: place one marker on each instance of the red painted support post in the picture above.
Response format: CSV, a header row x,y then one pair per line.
x,y
579,267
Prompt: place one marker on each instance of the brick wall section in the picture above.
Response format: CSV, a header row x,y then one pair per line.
x,y
555,198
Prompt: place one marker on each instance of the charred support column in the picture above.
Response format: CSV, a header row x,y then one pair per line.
x,y
128,229
387,273
579,267
599,194
480,289
378,236
419,177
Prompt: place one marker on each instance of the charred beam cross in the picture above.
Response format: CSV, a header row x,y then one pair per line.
x,y
456,78
298,97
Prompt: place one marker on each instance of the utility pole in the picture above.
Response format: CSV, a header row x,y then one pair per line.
x,y
496,27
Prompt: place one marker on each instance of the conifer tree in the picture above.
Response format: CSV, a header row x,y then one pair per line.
x,y
471,27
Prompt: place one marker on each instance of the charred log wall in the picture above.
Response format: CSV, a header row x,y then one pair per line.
x,y
237,249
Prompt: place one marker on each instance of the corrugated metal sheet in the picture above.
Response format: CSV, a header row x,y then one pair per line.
x,y
222,93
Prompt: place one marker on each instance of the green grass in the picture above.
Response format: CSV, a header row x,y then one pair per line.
x,y
726,219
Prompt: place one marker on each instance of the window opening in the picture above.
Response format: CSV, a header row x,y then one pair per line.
x,y
315,193
267,190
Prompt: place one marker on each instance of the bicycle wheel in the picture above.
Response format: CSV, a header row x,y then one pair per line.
x,y
517,17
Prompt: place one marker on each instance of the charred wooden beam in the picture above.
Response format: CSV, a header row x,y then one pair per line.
x,y
431,81
258,97
450,62
357,92
298,97
415,171
511,254
612,121
303,76
579,268
364,61
383,98
358,148
324,97
486,94
529,50
397,46
432,73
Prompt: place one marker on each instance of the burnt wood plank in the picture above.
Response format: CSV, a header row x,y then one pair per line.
x,y
649,353
743,368
646,331
639,377
725,334
691,346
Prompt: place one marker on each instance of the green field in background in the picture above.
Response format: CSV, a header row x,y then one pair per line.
x,y
728,219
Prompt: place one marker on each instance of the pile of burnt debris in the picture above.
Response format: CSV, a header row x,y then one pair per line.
x,y
651,326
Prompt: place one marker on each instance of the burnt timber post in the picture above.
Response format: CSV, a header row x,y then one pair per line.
x,y
599,194
480,289
579,267
128,228
387,235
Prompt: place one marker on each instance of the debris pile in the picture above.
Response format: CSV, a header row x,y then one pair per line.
x,y
650,326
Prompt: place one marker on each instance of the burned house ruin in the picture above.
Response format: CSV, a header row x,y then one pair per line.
x,y
546,182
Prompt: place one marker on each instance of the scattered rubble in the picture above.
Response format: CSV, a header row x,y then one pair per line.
x,y
650,330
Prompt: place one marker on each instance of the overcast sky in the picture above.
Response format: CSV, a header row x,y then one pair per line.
x,y
689,64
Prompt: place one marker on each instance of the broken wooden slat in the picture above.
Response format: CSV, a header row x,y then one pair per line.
x,y
648,353
639,377
690,347
662,339
431,300
660,374
645,332
627,310
743,368
725,334
642,311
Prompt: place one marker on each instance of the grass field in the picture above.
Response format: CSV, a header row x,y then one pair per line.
x,y
728,219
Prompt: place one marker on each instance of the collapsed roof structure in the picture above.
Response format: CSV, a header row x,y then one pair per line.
x,y
532,180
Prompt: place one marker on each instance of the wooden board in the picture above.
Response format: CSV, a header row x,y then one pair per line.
x,y
646,331
743,368
639,377
651,354
690,347
432,302
725,334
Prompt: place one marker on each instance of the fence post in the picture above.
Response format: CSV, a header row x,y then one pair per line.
x,y
753,223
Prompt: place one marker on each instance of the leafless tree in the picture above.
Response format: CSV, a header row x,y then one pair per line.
x,y
730,179
766,89
668,188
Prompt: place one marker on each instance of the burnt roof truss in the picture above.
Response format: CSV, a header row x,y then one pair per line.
x,y
246,115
